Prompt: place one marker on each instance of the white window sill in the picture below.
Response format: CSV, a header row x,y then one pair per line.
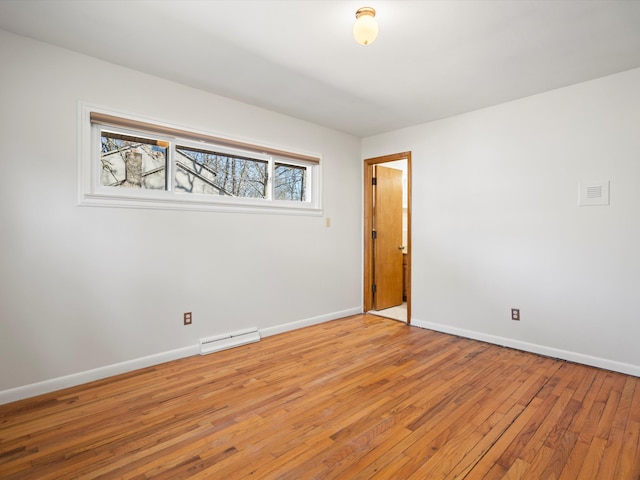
x,y
198,203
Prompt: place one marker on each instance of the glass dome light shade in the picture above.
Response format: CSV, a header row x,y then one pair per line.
x,y
365,30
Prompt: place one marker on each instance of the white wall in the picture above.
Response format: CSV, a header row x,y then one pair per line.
x,y
496,223
88,289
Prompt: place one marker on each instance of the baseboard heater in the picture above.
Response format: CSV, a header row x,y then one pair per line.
x,y
228,340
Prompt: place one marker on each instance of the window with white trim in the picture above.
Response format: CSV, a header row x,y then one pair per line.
x,y
134,163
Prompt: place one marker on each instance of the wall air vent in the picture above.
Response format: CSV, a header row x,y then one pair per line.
x,y
228,340
594,193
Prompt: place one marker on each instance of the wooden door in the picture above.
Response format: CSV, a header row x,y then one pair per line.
x,y
387,245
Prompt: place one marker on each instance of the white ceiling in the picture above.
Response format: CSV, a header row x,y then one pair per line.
x,y
432,59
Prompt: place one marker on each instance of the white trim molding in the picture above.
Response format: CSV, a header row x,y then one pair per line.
x,y
92,193
575,357
53,384
307,322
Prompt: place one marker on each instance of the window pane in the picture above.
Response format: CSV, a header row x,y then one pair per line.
x,y
205,171
289,182
132,162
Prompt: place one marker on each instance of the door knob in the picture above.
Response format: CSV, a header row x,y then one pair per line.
x,y
401,247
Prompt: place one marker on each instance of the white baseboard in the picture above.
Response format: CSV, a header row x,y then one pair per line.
x,y
79,378
285,327
598,362
51,385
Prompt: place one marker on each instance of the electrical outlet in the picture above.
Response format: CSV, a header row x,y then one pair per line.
x,y
187,318
515,314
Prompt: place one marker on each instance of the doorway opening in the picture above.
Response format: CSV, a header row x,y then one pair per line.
x,y
387,236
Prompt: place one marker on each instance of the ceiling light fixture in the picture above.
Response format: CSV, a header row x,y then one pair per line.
x,y
365,30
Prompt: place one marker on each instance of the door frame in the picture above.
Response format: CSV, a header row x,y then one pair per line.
x,y
368,228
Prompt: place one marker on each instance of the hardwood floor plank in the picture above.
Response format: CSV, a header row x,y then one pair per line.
x,y
486,438
368,463
611,454
592,460
537,468
361,397
629,462
501,455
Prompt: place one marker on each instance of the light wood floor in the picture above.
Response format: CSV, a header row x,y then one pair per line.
x,y
362,397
